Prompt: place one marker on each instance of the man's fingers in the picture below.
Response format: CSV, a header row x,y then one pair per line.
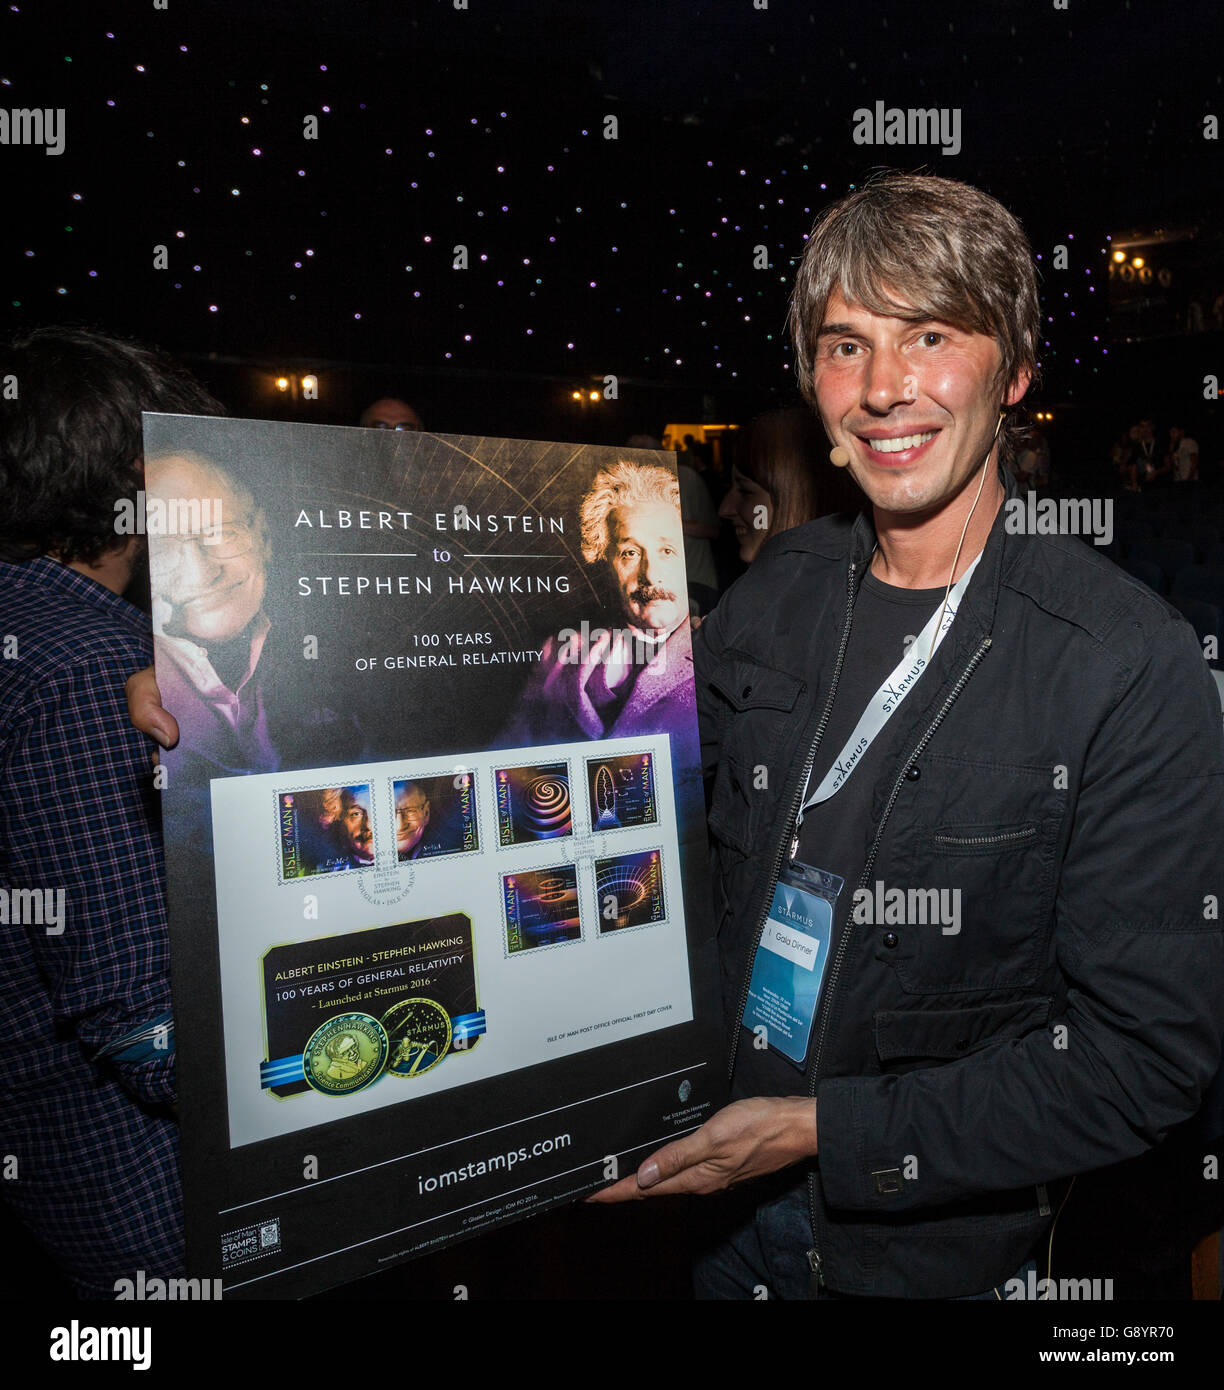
x,y
145,709
673,1159
627,1190
662,1172
688,1182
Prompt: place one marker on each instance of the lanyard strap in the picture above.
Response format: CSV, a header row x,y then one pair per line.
x,y
883,704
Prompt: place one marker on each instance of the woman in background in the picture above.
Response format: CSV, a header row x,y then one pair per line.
x,y
781,478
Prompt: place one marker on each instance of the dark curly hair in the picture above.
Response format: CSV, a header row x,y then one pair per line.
x,y
70,439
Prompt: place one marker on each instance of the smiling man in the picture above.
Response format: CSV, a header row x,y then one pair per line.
x,y
920,701
208,591
411,819
218,649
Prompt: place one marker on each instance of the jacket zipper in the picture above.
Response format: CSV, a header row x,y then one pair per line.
x,y
1026,834
789,822
815,1262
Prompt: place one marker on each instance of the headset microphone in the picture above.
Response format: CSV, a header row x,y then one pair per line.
x,y
968,519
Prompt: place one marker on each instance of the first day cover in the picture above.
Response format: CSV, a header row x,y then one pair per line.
x,y
435,835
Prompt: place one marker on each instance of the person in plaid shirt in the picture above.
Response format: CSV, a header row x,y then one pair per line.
x,y
88,1136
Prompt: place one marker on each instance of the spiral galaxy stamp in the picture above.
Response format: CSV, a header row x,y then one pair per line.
x,y
533,803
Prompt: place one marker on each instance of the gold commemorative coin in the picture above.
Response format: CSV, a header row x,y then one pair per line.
x,y
346,1054
419,1033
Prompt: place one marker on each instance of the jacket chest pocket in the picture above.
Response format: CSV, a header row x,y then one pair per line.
x,y
975,855
761,715
909,1039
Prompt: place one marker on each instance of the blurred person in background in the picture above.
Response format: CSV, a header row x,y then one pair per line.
x,y
388,413
1182,460
781,478
1030,464
1119,457
700,522
1143,456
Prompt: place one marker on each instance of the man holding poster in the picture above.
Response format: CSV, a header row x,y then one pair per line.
x,y
916,1085
915,1088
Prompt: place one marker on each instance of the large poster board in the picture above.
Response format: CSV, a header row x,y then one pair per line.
x,y
441,945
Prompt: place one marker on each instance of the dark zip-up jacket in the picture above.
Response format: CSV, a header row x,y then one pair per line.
x,y
1061,763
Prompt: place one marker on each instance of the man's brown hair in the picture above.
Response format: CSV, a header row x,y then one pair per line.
x,y
950,251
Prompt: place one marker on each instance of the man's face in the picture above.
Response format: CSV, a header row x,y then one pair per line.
x,y
411,817
880,380
357,832
213,593
646,552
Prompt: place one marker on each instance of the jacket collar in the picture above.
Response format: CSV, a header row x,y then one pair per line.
x,y
982,596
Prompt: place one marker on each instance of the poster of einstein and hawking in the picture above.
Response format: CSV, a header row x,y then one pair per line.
x,y
434,834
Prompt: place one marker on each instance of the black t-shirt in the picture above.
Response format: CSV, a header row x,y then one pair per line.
x,y
836,834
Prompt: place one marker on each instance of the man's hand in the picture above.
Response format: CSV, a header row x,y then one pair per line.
x,y
145,709
745,1140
